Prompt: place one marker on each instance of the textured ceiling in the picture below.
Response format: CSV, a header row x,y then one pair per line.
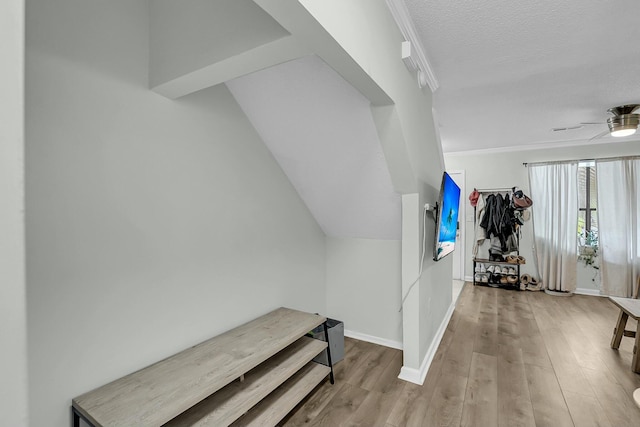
x,y
321,132
509,71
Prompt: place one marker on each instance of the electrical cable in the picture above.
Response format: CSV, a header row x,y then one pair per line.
x,y
424,241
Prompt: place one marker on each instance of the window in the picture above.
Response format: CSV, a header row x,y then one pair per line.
x,y
587,205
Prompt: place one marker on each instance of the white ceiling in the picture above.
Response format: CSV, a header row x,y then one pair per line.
x,y
510,71
321,132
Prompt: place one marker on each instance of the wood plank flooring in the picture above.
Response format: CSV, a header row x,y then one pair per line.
x,y
507,359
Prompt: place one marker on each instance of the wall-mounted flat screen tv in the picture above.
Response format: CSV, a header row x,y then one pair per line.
x,y
447,218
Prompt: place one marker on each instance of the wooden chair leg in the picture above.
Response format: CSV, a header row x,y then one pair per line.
x,y
618,332
635,362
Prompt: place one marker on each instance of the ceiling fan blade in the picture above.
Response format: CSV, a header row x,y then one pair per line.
x,y
579,126
566,128
600,135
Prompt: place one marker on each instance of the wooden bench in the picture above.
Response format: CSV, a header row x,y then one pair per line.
x,y
629,307
251,375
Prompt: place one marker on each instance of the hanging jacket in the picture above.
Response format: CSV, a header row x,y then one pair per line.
x,y
492,215
499,220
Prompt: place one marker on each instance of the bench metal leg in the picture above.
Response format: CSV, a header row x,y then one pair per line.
x,y
326,338
76,417
618,332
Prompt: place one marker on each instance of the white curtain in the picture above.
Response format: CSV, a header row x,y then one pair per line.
x,y
618,224
554,190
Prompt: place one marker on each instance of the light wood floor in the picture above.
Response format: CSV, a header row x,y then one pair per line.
x,y
507,359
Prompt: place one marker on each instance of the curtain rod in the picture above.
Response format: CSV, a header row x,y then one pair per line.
x,y
525,164
557,162
492,190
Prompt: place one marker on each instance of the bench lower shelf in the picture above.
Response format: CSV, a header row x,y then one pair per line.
x,y
279,403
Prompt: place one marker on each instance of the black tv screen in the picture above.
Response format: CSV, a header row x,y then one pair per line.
x,y
447,218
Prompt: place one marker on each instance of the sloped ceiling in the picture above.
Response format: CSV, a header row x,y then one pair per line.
x,y
321,132
510,72
319,128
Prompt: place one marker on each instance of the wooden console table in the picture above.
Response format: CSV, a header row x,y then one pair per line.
x,y
251,375
629,307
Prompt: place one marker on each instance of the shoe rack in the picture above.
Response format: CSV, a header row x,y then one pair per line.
x,y
498,274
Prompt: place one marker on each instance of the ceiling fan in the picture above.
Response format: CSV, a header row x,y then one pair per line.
x,y
623,122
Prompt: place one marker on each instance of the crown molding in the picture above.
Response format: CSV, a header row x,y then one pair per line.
x,y
405,24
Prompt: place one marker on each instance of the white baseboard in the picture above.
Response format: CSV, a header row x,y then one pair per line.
x,y
417,376
588,291
372,339
468,278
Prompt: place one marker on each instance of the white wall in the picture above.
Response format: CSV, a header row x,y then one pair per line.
x,y
362,288
13,320
487,171
365,29
151,224
505,169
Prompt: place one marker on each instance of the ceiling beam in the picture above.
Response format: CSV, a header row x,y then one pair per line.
x,y
258,58
297,20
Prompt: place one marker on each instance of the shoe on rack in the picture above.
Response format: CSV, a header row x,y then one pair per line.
x,y
521,259
512,259
497,269
482,269
491,269
496,257
512,270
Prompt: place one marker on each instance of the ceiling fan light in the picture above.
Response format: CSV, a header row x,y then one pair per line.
x,y
623,125
622,132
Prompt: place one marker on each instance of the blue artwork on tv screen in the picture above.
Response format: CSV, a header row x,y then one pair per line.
x,y
447,221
